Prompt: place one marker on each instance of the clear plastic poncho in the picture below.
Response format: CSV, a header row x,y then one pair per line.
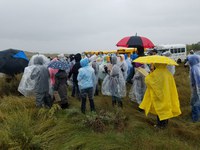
x,y
169,67
102,74
27,85
44,58
114,83
124,66
138,87
95,66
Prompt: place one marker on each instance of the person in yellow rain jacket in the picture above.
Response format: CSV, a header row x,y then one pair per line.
x,y
161,97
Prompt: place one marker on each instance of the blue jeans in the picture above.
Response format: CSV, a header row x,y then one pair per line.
x,y
195,103
195,113
88,92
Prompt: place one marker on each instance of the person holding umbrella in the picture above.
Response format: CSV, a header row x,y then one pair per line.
x,y
61,81
161,96
61,86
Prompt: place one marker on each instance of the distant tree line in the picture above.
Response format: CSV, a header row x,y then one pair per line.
x,y
195,47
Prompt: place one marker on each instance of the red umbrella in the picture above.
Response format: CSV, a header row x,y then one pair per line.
x,y
135,41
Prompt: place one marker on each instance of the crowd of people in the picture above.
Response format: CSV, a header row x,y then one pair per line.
x,y
109,74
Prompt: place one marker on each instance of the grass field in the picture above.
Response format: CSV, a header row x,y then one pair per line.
x,y
22,126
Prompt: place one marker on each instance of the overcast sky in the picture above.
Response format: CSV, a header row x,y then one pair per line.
x,y
71,26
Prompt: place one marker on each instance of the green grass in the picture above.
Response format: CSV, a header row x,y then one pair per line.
x,y
22,126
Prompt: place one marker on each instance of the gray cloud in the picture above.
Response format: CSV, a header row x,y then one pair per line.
x,y
73,26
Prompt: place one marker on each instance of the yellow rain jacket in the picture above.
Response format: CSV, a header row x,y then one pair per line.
x,y
161,97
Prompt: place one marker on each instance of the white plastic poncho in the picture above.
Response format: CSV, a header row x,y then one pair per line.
x,y
138,87
102,73
124,66
27,85
169,67
44,58
114,84
95,66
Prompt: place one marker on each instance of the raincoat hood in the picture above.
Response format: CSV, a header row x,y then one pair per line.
x,y
77,57
38,61
114,60
84,62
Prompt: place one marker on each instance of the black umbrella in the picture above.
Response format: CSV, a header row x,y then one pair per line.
x,y
12,61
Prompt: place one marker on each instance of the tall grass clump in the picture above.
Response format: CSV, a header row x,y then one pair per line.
x,y
104,120
9,85
25,127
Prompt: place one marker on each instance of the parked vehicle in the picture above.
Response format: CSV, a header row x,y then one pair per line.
x,y
178,51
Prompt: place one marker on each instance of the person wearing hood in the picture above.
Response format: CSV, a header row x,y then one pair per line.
x,y
161,96
74,73
186,61
95,66
87,83
40,75
194,63
61,87
123,65
114,84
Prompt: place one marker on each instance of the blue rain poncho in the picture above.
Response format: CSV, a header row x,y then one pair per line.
x,y
114,83
86,76
194,63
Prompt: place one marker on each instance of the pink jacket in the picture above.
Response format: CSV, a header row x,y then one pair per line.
x,y
52,73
